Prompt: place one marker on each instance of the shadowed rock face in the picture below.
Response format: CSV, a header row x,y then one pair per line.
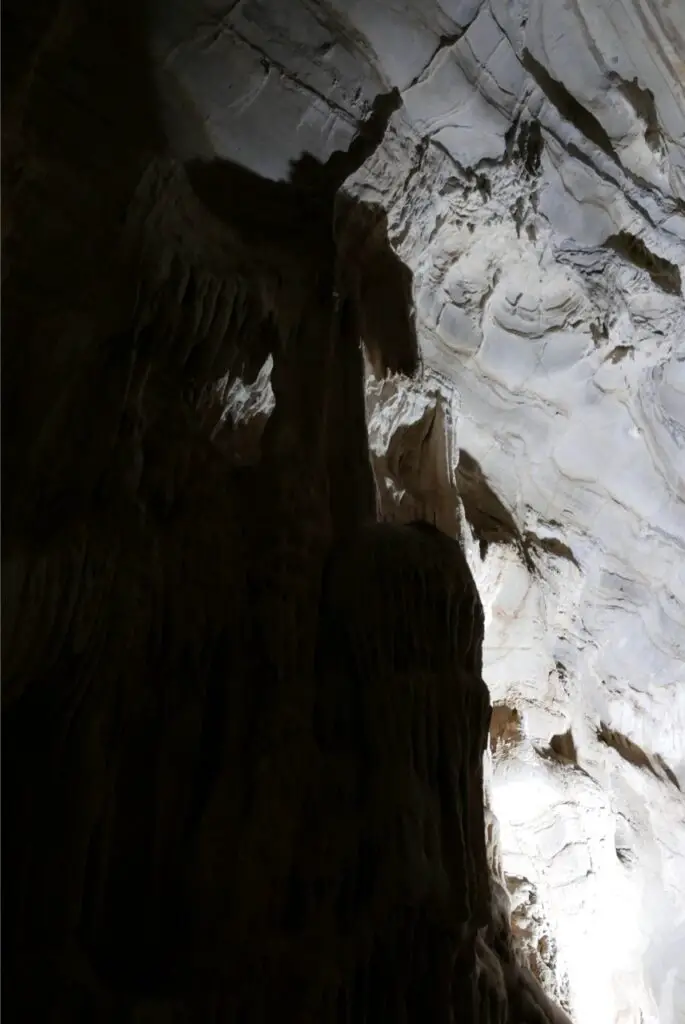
x,y
243,724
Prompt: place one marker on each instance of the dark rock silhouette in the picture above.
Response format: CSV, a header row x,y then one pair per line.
x,y
243,723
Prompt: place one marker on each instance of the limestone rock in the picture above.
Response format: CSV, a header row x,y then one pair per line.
x,y
204,210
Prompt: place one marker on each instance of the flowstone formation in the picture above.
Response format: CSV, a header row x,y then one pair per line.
x,y
205,207
243,723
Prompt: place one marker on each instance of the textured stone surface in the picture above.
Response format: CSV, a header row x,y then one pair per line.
x,y
545,225
563,339
243,722
532,178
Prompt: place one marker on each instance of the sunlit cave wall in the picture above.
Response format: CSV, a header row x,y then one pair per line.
x,y
564,465
534,183
585,763
549,422
532,179
589,825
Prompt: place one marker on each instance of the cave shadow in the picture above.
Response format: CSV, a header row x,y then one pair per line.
x,y
310,213
305,211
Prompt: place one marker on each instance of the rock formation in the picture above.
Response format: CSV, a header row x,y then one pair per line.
x,y
256,574
243,724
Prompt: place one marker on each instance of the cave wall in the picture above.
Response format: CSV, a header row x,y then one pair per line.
x,y
243,723
555,343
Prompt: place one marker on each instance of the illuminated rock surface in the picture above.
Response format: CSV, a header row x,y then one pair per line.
x,y
184,440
